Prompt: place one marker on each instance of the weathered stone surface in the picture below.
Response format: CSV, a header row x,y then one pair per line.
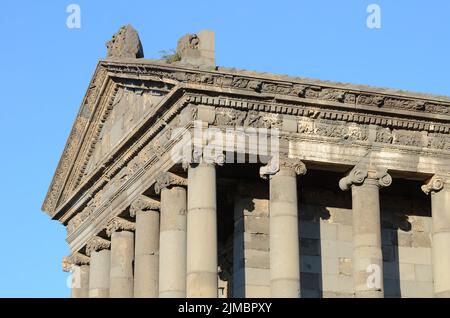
x,y
121,142
125,44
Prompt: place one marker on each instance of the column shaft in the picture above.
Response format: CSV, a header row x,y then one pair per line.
x,y
122,255
146,254
99,274
201,276
172,279
367,254
81,290
284,238
440,206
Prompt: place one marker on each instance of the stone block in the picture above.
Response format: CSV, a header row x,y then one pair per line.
x,y
421,239
341,216
330,282
407,271
391,288
309,246
289,123
257,291
412,289
345,233
388,253
256,225
330,265
257,241
309,230
310,264
391,270
256,259
345,284
310,293
328,231
387,237
257,276
345,267
310,281
206,114
424,273
332,294
404,239
417,255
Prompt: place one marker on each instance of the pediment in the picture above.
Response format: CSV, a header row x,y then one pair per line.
x,y
122,92
112,108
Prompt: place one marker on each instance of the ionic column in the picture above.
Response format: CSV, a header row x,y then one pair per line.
x,y
439,187
201,264
122,256
98,249
78,265
146,261
283,219
367,254
172,274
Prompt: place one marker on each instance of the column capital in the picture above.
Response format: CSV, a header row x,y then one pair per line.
x,y
167,179
295,166
358,176
117,224
143,203
95,244
75,258
435,184
199,154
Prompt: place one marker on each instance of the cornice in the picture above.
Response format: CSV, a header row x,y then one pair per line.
x,y
289,96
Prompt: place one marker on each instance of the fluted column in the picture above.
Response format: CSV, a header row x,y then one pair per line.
x,y
367,262
283,219
98,249
439,188
201,264
146,261
78,265
172,275
122,256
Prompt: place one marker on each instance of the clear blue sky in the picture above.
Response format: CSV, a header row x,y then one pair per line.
x,y
46,67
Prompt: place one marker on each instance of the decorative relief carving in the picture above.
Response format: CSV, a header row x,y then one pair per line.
x,y
276,164
358,175
229,117
97,244
435,184
253,118
409,138
167,179
119,224
143,203
75,259
384,135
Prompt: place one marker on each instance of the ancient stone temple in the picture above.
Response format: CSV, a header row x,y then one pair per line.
x,y
184,179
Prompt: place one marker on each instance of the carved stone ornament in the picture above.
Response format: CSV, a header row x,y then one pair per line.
x,y
167,179
358,175
199,155
119,224
74,259
143,203
66,266
435,184
97,244
125,44
275,165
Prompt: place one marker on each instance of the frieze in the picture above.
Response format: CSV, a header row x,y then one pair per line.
x,y
304,91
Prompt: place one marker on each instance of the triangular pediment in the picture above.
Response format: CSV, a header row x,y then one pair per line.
x,y
111,110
